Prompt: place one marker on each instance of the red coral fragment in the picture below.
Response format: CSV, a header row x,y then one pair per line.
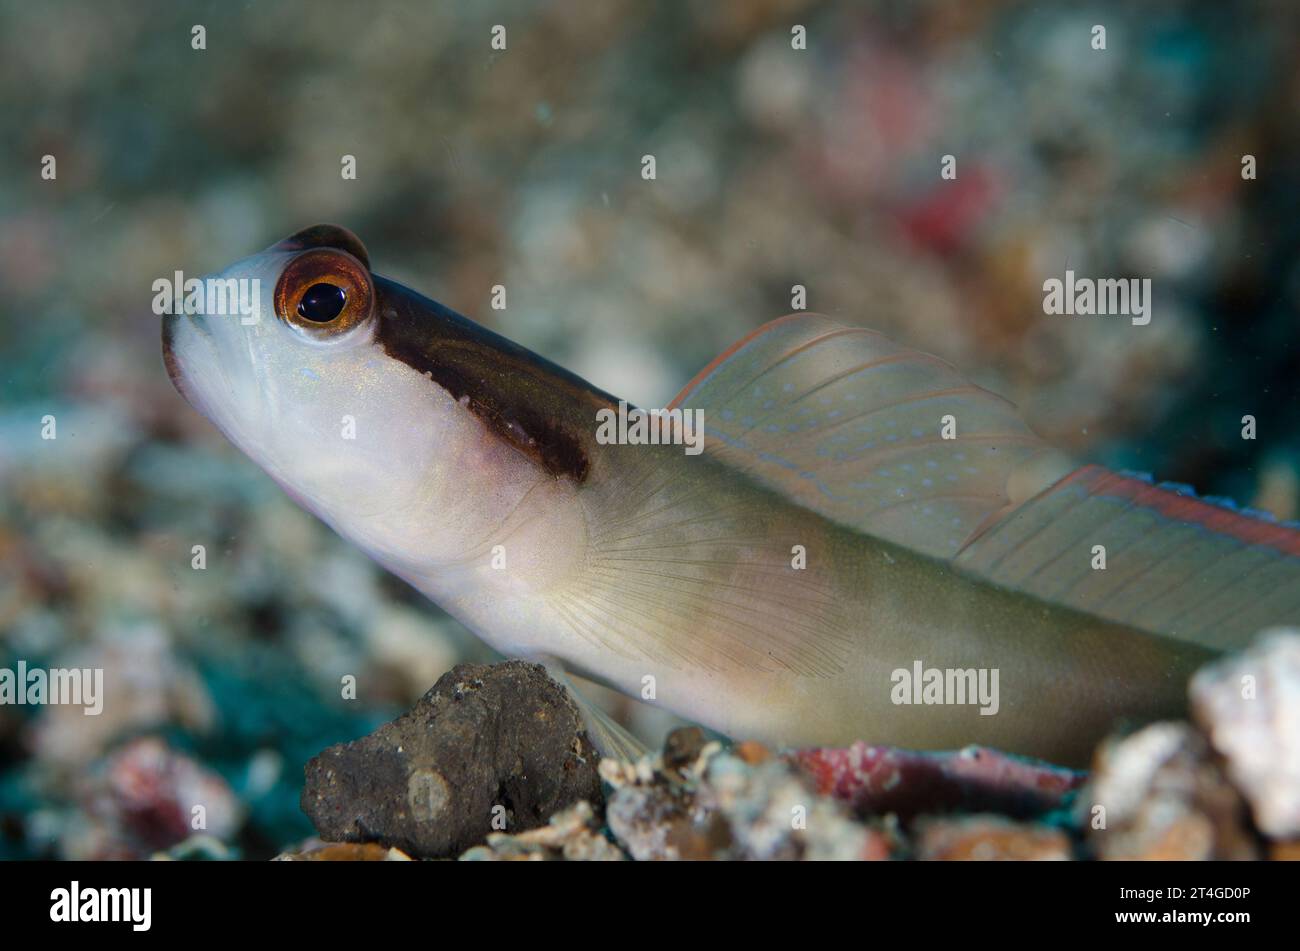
x,y
875,780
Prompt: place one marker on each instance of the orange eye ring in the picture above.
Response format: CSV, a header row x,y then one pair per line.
x,y
325,292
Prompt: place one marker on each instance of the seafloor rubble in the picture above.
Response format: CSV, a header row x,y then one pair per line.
x,y
507,744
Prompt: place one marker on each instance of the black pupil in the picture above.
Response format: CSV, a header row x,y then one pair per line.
x,y
322,303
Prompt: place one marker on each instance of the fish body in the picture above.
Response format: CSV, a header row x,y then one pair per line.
x,y
760,657
834,567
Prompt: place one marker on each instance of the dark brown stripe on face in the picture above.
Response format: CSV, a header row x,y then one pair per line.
x,y
541,409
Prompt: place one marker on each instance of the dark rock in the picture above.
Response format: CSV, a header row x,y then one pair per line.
x,y
497,748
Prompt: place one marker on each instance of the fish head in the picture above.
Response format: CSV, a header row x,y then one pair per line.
x,y
277,374
393,419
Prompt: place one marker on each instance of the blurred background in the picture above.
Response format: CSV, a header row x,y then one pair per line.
x,y
522,167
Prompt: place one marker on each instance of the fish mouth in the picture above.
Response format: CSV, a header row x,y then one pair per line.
x,y
172,364
171,324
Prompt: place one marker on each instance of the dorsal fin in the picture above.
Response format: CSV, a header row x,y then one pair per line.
x,y
851,425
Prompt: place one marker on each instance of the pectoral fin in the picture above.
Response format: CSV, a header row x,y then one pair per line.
x,y
612,739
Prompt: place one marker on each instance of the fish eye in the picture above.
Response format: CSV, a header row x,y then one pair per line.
x,y
322,302
324,292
